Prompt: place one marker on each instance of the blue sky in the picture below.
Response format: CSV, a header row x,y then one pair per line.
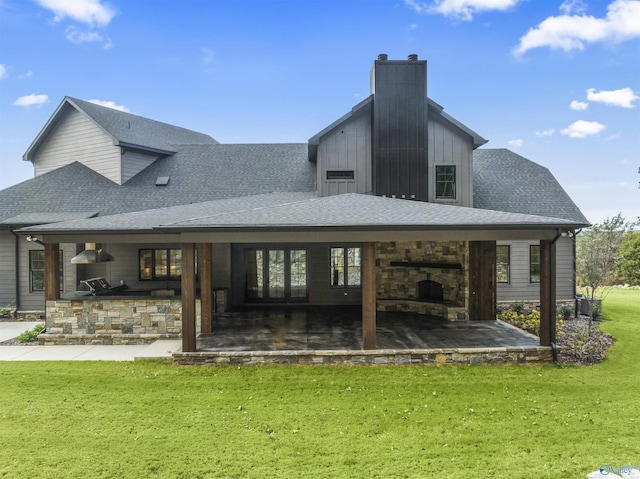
x,y
555,81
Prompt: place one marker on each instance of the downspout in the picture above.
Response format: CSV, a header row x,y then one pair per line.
x,y
17,266
554,348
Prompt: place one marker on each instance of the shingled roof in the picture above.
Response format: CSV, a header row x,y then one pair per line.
x,y
293,211
126,129
196,173
506,181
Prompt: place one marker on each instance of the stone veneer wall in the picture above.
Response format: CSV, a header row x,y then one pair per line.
x,y
113,321
399,282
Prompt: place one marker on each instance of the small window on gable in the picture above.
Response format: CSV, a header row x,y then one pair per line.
x,y
445,182
340,174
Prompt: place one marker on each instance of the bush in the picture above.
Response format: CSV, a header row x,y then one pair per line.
x,y
578,343
31,335
566,312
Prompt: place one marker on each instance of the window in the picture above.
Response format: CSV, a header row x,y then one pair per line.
x,y
340,175
446,182
502,264
160,264
534,263
276,275
36,270
345,267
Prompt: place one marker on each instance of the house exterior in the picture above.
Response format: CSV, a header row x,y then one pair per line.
x,y
393,206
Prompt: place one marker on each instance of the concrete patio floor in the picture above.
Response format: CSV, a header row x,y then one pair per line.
x,y
340,329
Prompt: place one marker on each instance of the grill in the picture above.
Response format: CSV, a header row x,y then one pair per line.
x,y
99,287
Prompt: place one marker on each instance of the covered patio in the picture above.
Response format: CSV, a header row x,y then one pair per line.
x,y
344,333
333,335
326,328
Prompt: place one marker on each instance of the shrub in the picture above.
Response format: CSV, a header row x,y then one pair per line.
x,y
31,335
566,312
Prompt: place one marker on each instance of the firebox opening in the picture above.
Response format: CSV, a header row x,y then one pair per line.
x,y
428,290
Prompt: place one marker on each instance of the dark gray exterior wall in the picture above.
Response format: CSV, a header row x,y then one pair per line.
x,y
400,129
320,291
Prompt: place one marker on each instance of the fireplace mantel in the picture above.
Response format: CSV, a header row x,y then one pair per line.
x,y
419,264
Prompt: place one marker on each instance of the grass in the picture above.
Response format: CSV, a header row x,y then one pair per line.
x,y
153,419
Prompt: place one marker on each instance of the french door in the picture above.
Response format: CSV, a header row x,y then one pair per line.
x,y
276,275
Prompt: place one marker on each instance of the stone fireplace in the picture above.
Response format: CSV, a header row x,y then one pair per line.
x,y
428,290
424,277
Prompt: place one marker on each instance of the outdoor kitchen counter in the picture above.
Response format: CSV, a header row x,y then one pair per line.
x,y
121,295
108,318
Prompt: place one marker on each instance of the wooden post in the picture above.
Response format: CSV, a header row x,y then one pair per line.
x,y
547,292
52,271
188,297
482,280
206,288
368,296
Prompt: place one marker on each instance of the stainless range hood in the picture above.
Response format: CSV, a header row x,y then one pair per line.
x,y
91,255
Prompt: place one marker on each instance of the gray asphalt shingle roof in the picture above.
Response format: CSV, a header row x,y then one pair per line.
x,y
305,210
197,173
506,181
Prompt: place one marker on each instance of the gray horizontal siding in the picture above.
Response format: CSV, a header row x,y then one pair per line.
x,y
77,138
7,269
134,162
34,301
519,287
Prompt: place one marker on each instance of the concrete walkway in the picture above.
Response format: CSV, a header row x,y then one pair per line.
x,y
9,330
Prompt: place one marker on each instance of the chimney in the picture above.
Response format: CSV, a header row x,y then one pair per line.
x,y
399,89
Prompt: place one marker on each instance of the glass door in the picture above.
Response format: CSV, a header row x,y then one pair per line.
x,y
276,275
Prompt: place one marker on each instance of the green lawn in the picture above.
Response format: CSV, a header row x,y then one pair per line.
x,y
147,419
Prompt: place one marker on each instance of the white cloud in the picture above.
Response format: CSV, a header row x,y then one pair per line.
x,y
30,100
78,37
578,105
572,6
110,104
89,12
623,97
515,143
460,9
571,32
582,129
546,132
29,74
3,72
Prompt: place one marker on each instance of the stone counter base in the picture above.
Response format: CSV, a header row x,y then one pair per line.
x,y
533,355
101,339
